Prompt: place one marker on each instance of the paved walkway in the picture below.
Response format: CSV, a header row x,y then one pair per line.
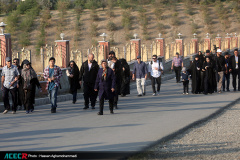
x,y
138,123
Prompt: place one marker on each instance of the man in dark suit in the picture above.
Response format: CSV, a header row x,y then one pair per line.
x,y
234,69
117,70
105,85
88,74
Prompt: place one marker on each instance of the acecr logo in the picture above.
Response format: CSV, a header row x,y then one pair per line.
x,y
16,156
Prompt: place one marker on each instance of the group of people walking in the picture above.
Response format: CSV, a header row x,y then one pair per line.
x,y
21,82
107,81
141,71
208,73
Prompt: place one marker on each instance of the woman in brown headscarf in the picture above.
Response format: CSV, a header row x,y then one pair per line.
x,y
30,81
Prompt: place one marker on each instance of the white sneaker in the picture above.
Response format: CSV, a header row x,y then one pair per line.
x,y
5,111
158,93
13,112
154,94
186,93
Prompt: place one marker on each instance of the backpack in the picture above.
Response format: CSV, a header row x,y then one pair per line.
x,y
159,60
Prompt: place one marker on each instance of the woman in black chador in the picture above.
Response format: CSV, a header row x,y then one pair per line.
x,y
29,82
73,79
208,69
125,78
201,57
195,70
21,83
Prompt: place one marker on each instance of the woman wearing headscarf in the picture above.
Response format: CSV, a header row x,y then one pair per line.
x,y
29,83
125,75
73,74
208,69
195,70
20,83
202,60
201,57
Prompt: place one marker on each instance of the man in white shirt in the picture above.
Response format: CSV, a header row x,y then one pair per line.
x,y
155,69
111,64
110,57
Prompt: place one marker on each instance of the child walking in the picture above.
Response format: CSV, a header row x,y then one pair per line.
x,y
185,80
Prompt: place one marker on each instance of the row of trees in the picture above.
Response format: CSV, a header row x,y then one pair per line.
x,y
7,6
21,16
21,21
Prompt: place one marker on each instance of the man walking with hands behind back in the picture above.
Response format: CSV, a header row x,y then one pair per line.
x,y
140,73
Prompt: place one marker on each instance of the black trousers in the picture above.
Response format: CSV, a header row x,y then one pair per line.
x,y
235,74
178,73
74,96
19,102
117,91
5,98
154,80
101,103
208,87
89,93
28,102
185,86
226,77
115,100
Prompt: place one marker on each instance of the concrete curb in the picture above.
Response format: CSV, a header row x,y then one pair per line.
x,y
185,129
68,97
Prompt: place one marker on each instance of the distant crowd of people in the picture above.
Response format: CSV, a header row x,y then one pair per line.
x,y
208,73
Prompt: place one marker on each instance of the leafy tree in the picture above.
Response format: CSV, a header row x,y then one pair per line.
x,y
24,6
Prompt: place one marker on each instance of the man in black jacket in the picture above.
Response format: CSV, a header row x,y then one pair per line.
x,y
226,76
234,69
117,71
19,101
88,73
221,66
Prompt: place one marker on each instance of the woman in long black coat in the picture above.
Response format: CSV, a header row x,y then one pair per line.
x,y
29,83
20,84
125,76
73,79
195,70
209,76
